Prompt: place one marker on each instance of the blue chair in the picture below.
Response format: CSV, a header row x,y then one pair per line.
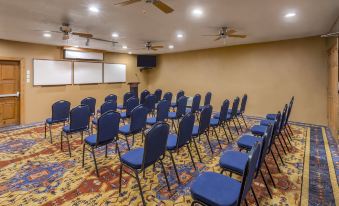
x,y
131,103
158,94
180,112
149,103
126,97
195,105
108,129
105,107
184,136
235,161
78,123
242,109
143,96
211,188
137,123
221,122
203,128
168,96
139,159
60,114
90,102
111,97
180,93
207,100
288,115
162,113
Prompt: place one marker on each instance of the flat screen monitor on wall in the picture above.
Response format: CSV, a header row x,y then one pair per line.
x,y
146,61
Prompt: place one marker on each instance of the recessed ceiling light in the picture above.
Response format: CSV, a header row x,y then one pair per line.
x,y
180,36
76,46
124,47
93,9
197,12
129,52
171,47
115,35
289,15
47,35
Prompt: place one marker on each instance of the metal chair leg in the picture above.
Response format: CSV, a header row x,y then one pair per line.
x,y
255,197
120,177
45,129
235,126
190,153
242,116
282,146
106,151
229,129
276,148
239,123
269,173
196,147
61,134
69,146
83,155
175,167
275,161
209,143
127,142
50,133
216,135
163,169
140,189
95,161
263,178
223,127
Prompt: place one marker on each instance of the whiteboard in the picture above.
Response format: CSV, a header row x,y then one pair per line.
x,y
87,73
114,73
50,72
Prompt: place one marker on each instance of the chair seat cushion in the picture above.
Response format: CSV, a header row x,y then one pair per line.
x,y
258,130
266,122
216,115
188,110
120,107
228,116
247,141
214,122
123,115
50,121
215,189
151,120
173,104
91,140
234,161
125,130
66,129
95,121
133,158
195,131
172,142
172,115
271,116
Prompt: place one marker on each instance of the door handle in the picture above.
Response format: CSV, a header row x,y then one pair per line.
x,y
17,94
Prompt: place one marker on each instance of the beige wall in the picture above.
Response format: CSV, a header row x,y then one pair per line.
x,y
38,100
270,73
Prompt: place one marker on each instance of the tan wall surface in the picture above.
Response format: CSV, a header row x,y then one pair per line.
x,y
38,100
270,73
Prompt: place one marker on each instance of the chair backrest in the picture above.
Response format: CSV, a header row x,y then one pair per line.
x,y
79,118
277,124
150,102
111,97
126,97
205,118
158,93
168,96
265,145
235,107
155,143
180,93
130,105
243,104
290,105
208,97
143,96
283,118
108,127
60,110
250,170
90,102
108,106
162,110
196,103
223,110
138,119
185,129
181,106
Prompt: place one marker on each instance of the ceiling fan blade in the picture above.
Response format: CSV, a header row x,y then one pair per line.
x,y
163,7
210,35
154,49
217,39
230,31
125,3
84,35
157,47
65,37
237,35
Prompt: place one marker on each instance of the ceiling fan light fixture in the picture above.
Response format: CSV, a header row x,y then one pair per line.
x,y
115,35
94,9
124,47
197,12
171,46
47,35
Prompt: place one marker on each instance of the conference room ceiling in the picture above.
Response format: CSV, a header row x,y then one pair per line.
x,y
260,20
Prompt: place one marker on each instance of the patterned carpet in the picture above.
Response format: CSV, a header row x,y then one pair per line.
x,y
35,172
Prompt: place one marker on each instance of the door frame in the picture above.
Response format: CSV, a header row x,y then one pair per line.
x,y
22,84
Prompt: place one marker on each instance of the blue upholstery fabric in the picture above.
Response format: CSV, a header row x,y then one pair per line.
x,y
195,131
95,121
90,102
173,104
172,115
258,130
138,119
168,96
266,122
133,158
108,127
188,110
271,116
216,115
162,110
111,97
125,129
171,142
185,129
195,104
79,119
60,112
121,107
158,94
66,129
143,96
247,141
216,189
108,106
123,115
91,140
214,122
234,161
50,121
151,120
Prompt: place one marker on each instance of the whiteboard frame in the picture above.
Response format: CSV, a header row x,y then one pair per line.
x,y
49,85
97,62
114,82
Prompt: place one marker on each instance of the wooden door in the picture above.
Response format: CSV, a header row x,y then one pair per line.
x,y
9,93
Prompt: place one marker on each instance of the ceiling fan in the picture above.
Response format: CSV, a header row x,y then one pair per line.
x,y
158,3
226,32
149,46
